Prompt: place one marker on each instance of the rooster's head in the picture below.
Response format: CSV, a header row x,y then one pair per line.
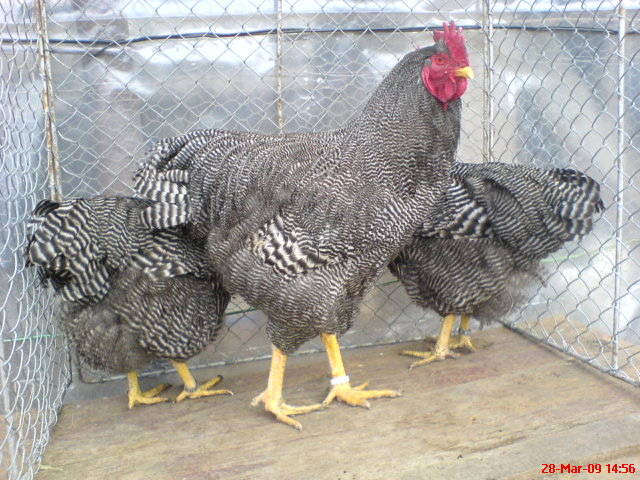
x,y
446,70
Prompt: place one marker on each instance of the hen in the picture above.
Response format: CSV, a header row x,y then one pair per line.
x,y
127,295
497,222
302,225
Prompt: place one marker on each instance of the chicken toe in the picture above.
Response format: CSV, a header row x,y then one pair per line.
x,y
148,397
441,349
191,388
430,356
281,410
341,388
272,396
463,340
356,396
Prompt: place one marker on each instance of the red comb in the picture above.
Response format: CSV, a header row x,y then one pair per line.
x,y
454,40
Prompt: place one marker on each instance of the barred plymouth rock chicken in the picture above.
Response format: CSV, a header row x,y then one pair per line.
x,y
126,294
302,225
496,223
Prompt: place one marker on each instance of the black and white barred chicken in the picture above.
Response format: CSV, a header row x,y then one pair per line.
x,y
302,225
126,294
497,222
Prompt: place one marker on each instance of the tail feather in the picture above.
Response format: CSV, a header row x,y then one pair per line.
x,y
164,174
73,241
165,215
463,215
168,189
87,288
171,254
45,207
80,244
57,236
575,199
531,210
164,188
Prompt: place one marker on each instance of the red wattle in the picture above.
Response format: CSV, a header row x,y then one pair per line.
x,y
445,88
449,89
426,80
461,84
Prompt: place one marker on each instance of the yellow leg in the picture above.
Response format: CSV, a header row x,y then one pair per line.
x,y
441,350
463,340
191,388
138,397
272,396
341,389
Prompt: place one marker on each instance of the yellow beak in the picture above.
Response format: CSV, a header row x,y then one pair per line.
x,y
466,72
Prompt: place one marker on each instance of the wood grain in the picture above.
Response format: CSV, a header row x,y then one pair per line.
x,y
498,413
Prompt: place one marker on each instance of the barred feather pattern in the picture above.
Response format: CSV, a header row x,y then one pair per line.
x,y
481,256
530,211
301,225
78,243
474,276
158,297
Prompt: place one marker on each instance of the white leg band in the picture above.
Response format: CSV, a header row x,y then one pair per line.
x,y
340,380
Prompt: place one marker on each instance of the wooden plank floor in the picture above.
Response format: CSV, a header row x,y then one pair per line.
x,y
496,414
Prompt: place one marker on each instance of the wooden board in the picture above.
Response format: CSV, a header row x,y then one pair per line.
x,y
496,414
589,341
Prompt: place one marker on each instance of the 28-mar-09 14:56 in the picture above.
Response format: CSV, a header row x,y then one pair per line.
x,y
595,468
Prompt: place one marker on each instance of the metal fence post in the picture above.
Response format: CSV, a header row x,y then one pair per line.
x,y
44,53
279,70
617,289
487,84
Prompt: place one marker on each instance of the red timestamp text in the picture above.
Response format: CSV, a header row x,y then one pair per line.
x,y
595,468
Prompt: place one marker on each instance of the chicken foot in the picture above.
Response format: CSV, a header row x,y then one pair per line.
x,y
191,388
272,396
441,349
341,388
148,397
463,340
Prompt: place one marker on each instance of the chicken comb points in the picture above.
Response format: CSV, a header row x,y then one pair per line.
x,y
453,38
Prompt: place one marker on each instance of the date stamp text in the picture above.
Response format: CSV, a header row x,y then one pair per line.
x,y
595,468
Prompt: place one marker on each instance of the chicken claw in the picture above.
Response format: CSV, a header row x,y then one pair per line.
x,y
281,410
356,396
340,386
203,390
430,356
441,350
148,397
191,388
272,396
463,340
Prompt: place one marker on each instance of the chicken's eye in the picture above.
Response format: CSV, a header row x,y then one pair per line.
x,y
439,60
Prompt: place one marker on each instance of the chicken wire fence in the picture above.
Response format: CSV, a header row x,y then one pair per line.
x,y
87,86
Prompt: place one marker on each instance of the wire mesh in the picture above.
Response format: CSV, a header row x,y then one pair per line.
x,y
34,367
567,96
557,85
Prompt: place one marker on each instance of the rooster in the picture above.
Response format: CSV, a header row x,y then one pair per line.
x,y
127,295
483,251
302,225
